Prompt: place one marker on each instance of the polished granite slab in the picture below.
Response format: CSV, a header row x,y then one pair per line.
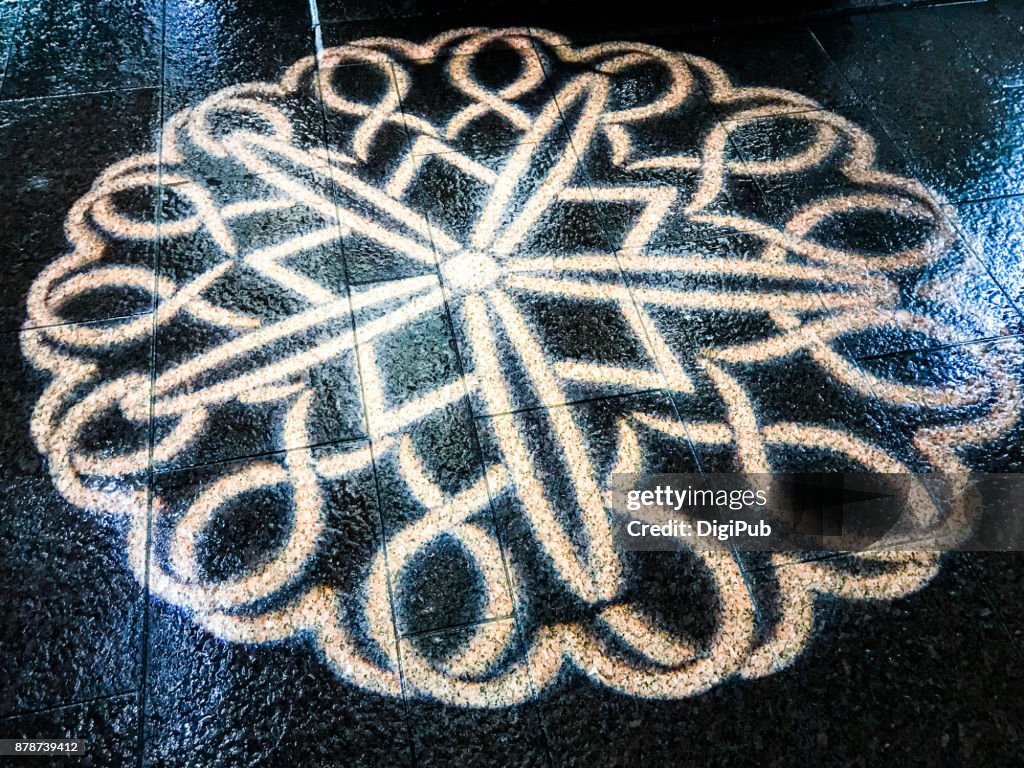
x,y
326,326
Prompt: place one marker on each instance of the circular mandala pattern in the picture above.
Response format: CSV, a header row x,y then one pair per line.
x,y
611,190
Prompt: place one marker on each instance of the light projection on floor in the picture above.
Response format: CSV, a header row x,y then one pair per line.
x,y
514,268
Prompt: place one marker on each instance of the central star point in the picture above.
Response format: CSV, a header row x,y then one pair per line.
x,y
471,271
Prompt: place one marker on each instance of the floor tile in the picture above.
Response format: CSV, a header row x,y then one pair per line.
x,y
685,145
384,170
1000,575
582,718
737,329
44,183
722,292
444,557
890,60
956,403
811,416
553,523
255,533
81,394
655,671
10,15
535,220
847,643
909,671
221,690
343,372
993,229
81,47
280,550
445,564
446,585
339,33
240,406
385,227
369,10
254,128
515,296
261,530
72,606
950,300
989,32
90,136
800,159
651,180
279,231
519,348
466,723
1011,9
859,210
409,365
784,56
109,727
435,18
210,46
445,86
260,298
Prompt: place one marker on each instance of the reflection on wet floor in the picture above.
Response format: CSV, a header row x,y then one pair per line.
x,y
326,341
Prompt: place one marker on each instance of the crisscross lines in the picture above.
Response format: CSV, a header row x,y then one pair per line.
x,y
362,209
623,648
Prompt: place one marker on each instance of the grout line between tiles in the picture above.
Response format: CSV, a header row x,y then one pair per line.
x,y
377,491
145,640
73,94
439,631
940,347
259,455
69,705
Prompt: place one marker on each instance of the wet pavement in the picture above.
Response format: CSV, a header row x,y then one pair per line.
x,y
326,325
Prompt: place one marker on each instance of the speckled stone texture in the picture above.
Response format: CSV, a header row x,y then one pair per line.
x,y
382,548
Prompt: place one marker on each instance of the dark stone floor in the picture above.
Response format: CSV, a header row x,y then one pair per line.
x,y
297,460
